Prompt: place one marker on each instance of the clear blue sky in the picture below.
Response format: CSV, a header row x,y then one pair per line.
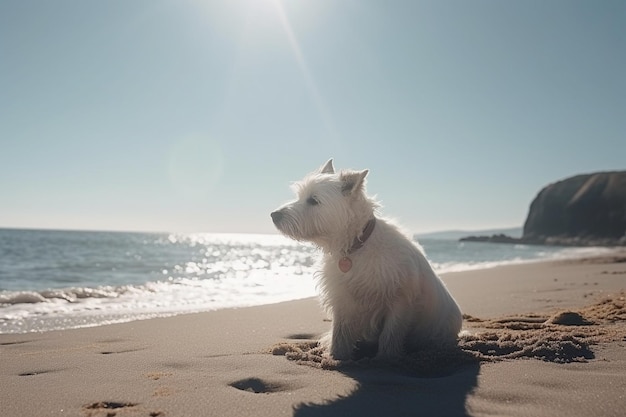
x,y
180,115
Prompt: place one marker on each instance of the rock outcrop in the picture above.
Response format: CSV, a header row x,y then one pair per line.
x,y
584,210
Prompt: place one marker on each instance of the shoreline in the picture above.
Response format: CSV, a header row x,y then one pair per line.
x,y
55,323
218,362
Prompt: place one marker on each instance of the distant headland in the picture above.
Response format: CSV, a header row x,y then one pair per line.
x,y
583,210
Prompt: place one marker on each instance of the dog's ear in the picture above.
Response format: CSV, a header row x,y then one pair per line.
x,y
352,181
327,168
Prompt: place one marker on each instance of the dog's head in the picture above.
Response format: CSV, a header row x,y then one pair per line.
x,y
329,204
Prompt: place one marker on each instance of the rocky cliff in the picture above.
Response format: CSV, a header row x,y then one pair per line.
x,y
586,208
583,210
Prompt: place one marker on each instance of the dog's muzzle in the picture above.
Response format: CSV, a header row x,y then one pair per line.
x,y
277,216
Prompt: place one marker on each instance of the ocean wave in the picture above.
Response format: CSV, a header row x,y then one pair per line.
x,y
70,295
124,277
529,254
27,311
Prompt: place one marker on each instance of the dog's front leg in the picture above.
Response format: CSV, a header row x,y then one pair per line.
x,y
391,342
342,340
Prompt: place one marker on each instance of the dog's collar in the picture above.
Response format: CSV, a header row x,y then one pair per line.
x,y
359,241
345,263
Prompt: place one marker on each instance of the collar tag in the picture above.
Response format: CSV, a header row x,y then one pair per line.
x,y
345,264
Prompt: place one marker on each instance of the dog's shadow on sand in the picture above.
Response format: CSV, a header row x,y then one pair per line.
x,y
432,382
392,392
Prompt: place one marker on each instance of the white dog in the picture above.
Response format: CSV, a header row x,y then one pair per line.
x,y
383,295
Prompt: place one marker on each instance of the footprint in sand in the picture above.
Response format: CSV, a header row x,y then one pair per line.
x,y
260,386
106,408
38,372
117,408
116,346
16,342
302,336
113,352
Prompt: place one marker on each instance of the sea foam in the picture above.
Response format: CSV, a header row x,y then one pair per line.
x,y
131,276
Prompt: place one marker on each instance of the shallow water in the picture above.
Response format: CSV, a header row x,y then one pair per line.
x,y
65,279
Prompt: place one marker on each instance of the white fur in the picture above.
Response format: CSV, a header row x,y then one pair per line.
x,y
391,296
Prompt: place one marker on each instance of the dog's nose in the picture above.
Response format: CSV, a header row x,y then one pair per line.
x,y
276,216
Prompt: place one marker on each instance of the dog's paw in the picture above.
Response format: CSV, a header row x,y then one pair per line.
x,y
326,341
364,349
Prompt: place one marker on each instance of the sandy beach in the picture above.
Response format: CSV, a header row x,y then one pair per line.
x,y
540,339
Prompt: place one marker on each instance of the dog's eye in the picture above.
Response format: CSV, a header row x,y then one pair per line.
x,y
312,201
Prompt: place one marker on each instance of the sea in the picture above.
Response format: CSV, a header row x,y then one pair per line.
x,y
54,280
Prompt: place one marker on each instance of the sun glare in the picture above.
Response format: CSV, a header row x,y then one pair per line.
x,y
304,68
250,21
